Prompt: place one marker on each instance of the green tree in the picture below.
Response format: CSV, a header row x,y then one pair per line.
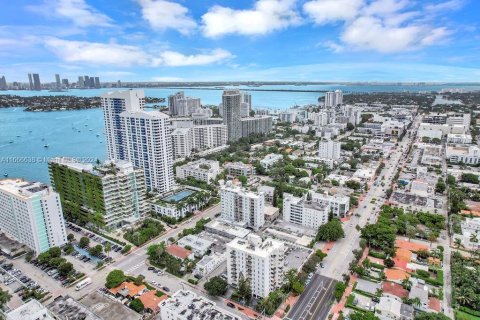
x,y
243,180
431,316
84,242
330,231
410,232
137,305
339,290
244,290
216,286
5,296
469,178
363,316
43,257
107,248
127,248
352,184
71,237
55,262
55,252
451,181
440,186
458,243
350,126
115,278
432,237
389,263
96,250
65,268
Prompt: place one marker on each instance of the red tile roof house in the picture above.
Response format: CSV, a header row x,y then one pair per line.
x,y
179,252
151,301
394,289
128,290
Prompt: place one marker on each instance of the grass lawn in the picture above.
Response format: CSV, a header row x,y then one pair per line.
x,y
460,315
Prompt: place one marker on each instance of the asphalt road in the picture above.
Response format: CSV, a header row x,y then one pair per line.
x,y
315,301
339,257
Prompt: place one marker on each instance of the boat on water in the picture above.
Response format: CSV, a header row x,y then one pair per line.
x,y
45,145
5,174
10,141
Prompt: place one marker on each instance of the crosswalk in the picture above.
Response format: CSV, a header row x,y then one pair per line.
x,y
135,267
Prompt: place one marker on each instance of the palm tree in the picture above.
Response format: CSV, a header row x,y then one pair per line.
x,y
463,295
431,237
410,232
416,302
458,243
107,248
136,235
406,283
473,239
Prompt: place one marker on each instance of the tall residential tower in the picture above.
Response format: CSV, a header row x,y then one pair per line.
x,y
140,137
231,113
31,213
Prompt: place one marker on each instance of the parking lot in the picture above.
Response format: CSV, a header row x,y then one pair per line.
x,y
295,256
95,239
19,283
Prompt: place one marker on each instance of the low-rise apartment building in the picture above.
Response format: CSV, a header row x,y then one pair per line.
x,y
203,170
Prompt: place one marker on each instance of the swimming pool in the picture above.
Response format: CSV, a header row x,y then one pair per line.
x,y
179,196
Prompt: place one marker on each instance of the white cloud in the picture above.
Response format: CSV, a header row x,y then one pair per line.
x,y
333,46
78,11
385,7
386,26
265,17
162,15
445,6
327,11
176,59
97,53
372,33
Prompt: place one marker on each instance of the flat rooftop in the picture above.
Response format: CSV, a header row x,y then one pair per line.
x,y
190,306
31,310
222,227
23,189
65,308
107,309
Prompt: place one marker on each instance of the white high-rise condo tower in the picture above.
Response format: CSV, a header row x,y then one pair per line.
x,y
140,137
259,262
242,207
329,149
31,213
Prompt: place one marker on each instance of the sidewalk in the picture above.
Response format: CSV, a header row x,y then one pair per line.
x,y
341,304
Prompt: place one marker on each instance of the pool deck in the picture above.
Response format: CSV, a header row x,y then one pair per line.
x,y
178,196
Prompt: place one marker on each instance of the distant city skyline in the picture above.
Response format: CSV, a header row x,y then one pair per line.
x,y
257,40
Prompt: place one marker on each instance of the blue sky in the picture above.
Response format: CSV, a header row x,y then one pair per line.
x,y
204,40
